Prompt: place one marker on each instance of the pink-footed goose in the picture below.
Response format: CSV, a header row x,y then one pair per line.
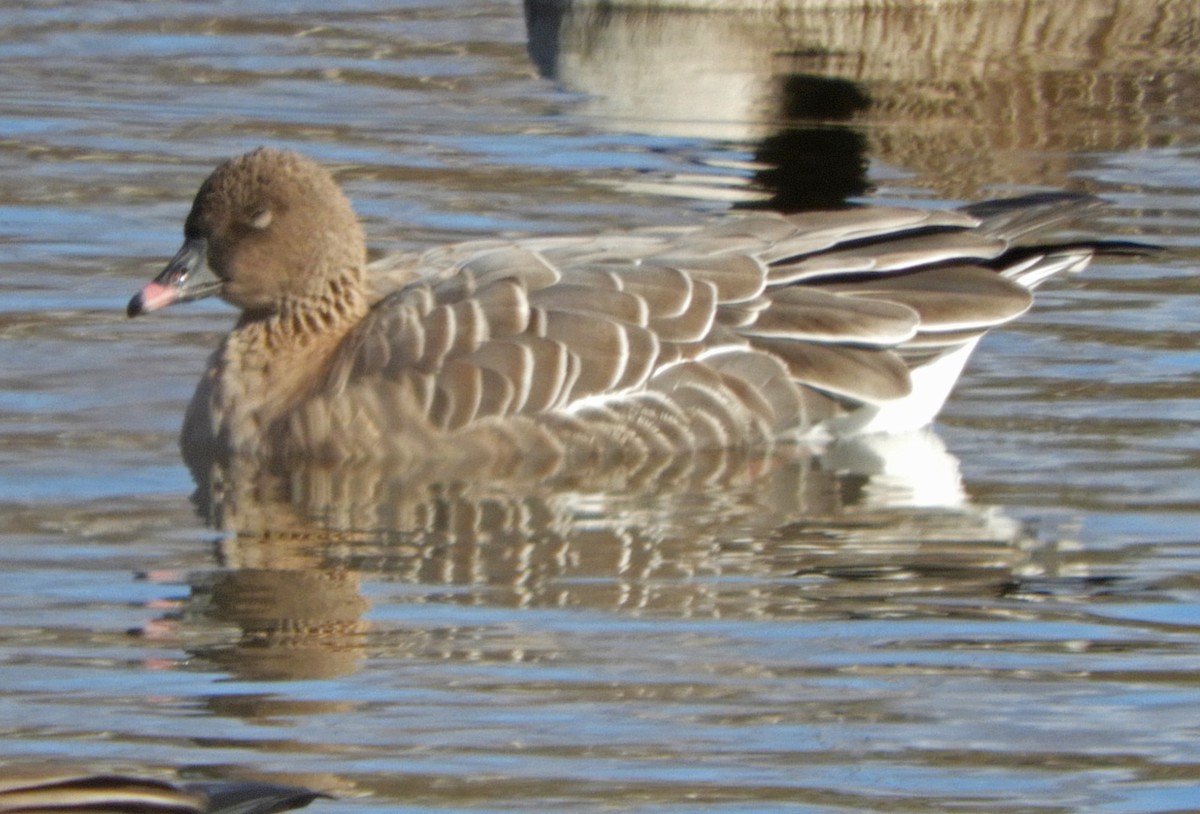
x,y
757,328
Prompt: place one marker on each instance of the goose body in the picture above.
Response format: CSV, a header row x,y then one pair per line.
x,y
746,331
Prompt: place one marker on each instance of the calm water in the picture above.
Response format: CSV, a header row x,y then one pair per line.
x,y
1004,616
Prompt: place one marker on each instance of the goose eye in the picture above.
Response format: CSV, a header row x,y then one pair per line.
x,y
261,218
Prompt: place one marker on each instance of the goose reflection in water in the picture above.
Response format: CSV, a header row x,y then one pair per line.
x,y
963,96
876,525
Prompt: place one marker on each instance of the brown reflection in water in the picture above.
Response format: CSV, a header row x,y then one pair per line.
x,y
293,624
968,94
275,610
874,527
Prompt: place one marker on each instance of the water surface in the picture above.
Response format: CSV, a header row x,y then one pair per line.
x,y
1004,616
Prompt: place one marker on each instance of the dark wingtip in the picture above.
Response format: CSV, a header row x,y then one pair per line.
x,y
254,798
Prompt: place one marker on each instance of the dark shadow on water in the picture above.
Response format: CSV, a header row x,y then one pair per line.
x,y
810,168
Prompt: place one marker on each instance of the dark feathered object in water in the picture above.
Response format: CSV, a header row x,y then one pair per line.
x,y
64,791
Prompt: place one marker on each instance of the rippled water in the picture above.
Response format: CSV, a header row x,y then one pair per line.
x,y
1001,617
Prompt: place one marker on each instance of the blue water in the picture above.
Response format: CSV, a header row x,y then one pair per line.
x,y
804,637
